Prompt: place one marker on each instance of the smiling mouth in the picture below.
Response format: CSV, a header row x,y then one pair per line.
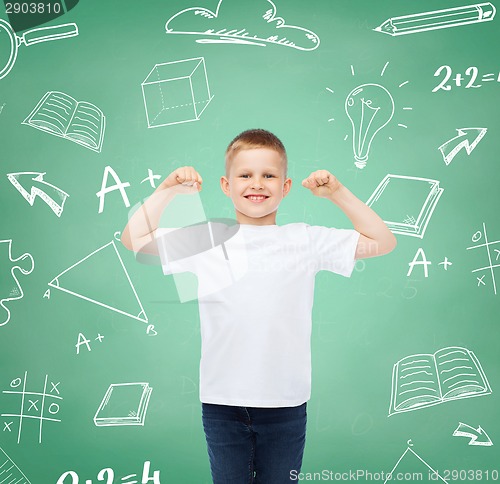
x,y
256,198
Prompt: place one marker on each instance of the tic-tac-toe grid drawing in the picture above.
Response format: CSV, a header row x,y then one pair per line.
x,y
490,254
31,405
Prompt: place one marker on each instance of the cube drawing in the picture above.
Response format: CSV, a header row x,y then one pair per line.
x,y
176,92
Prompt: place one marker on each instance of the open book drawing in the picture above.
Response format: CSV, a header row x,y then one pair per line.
x,y
406,203
423,380
61,115
123,404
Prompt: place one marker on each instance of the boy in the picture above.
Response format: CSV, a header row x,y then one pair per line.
x,y
255,370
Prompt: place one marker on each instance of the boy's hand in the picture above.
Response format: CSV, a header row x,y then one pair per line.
x,y
184,180
322,183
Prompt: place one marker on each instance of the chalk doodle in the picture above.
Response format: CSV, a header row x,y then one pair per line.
x,y
176,92
123,404
445,263
59,114
11,42
94,279
109,475
151,178
468,138
82,340
105,188
370,107
38,406
9,472
419,262
120,186
470,77
423,380
31,184
406,203
438,19
411,459
362,424
217,27
477,436
10,289
420,259
493,257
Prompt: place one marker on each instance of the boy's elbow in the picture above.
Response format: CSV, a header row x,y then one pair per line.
x,y
126,240
391,244
368,247
126,244
385,245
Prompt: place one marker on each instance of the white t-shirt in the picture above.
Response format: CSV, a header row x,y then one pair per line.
x,y
255,294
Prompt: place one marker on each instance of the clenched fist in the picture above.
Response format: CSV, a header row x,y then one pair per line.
x,y
184,179
322,183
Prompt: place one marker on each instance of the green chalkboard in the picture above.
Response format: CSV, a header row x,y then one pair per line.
x,y
87,132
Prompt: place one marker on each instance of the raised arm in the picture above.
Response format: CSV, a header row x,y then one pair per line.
x,y
138,235
375,239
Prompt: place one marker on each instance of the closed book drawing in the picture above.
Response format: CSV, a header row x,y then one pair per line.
x,y
406,203
124,404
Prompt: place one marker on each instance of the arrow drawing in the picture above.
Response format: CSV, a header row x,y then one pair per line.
x,y
30,184
467,138
478,436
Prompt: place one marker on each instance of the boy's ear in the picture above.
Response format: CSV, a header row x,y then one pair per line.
x,y
287,186
224,184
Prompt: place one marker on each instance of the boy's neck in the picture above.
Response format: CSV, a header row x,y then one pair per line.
x,y
246,220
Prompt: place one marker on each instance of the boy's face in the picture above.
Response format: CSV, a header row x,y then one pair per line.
x,y
256,184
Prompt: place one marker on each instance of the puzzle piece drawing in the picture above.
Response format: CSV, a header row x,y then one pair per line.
x,y
10,289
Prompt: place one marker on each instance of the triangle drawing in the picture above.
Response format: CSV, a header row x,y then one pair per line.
x,y
14,473
411,464
101,278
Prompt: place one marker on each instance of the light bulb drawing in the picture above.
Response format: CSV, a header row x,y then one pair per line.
x,y
369,107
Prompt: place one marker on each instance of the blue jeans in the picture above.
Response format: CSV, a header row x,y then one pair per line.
x,y
249,445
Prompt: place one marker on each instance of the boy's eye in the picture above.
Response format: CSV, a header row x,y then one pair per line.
x,y
266,176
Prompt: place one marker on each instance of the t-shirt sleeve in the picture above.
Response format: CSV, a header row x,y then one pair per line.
x,y
333,249
168,248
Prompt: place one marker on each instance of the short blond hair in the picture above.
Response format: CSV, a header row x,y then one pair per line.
x,y
255,138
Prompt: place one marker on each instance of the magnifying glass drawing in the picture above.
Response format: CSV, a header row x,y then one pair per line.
x,y
10,42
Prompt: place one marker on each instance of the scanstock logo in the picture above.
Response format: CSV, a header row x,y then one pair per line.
x,y
27,14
